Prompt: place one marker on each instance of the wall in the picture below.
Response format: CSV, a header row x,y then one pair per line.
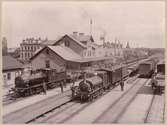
x,y
73,65
73,45
6,81
56,62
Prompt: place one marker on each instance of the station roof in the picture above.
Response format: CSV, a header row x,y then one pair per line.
x,y
92,59
161,62
49,42
10,63
82,37
65,52
74,39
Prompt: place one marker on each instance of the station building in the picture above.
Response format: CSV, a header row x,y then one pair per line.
x,y
70,52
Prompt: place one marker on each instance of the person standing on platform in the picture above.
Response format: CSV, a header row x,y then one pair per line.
x,y
72,88
44,87
61,86
122,85
65,83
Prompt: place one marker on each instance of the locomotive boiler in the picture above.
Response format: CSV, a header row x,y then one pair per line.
x,y
90,88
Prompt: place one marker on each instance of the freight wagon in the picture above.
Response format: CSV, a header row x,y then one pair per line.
x,y
146,69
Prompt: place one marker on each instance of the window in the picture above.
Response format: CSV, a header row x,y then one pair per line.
x,y
22,55
25,55
67,43
28,55
9,76
47,62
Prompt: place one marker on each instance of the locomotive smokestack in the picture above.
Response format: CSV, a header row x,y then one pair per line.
x,y
84,76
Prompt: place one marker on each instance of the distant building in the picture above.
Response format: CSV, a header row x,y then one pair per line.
x,y
28,47
109,49
127,45
11,68
4,46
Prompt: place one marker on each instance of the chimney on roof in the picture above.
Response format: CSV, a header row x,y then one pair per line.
x,y
75,34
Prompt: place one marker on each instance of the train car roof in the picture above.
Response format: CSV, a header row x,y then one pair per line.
x,y
161,62
111,69
147,62
104,69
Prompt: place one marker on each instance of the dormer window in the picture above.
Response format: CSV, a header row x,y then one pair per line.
x,y
67,43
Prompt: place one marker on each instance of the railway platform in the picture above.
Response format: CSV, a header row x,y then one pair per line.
x,y
26,106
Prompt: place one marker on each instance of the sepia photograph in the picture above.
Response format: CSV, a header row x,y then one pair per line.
x,y
83,62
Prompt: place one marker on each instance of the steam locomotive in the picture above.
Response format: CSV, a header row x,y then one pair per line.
x,y
33,82
103,79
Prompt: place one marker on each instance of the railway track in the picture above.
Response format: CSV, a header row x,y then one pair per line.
x,y
64,112
118,108
30,112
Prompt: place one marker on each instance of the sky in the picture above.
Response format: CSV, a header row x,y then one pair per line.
x,y
141,23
